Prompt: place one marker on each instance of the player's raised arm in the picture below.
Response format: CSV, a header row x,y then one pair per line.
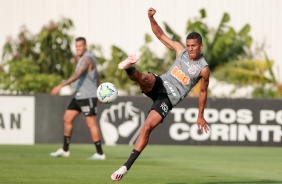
x,y
157,30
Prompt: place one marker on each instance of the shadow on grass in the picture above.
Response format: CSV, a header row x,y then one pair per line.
x,y
239,182
243,182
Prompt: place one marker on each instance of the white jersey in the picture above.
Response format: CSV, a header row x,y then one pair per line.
x,y
182,76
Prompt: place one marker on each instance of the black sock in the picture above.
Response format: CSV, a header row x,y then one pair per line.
x,y
66,143
99,147
134,155
130,70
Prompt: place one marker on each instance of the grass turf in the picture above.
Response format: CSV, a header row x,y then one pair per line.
x,y
156,165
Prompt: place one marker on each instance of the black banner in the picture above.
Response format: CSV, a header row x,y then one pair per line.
x,y
251,122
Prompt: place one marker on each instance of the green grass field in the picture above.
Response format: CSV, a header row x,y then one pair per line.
x,y
156,165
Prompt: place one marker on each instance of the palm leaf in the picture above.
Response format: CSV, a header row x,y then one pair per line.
x,y
243,72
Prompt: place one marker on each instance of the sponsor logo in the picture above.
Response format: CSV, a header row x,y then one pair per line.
x,y
170,88
85,109
17,123
164,108
193,69
227,125
180,75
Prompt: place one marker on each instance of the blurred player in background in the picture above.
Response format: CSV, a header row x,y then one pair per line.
x,y
168,90
85,100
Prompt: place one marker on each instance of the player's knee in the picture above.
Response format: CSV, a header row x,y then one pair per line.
x,y
147,128
147,79
67,121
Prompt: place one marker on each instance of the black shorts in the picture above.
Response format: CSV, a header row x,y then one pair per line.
x,y
161,102
87,106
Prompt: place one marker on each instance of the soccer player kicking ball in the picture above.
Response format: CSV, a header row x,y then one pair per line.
x,y
167,90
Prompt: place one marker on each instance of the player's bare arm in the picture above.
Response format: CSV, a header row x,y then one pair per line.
x,y
85,65
157,30
98,79
205,75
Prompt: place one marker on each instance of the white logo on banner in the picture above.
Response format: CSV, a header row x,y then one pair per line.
x,y
227,125
121,120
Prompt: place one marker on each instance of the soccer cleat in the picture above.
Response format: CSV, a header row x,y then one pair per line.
x,y
119,174
97,156
60,153
129,61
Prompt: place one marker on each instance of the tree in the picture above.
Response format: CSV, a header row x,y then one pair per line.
x,y
231,59
35,63
222,44
257,73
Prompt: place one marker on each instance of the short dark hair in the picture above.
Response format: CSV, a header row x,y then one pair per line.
x,y
195,35
80,39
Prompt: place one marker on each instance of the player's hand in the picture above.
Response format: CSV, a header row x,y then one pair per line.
x,y
151,12
202,125
55,91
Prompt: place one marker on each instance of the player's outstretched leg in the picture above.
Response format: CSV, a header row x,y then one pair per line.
x,y
119,174
129,61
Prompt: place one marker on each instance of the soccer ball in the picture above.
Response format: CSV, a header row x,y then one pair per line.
x,y
107,92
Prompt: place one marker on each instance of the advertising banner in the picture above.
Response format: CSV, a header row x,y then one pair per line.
x,y
17,119
251,122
